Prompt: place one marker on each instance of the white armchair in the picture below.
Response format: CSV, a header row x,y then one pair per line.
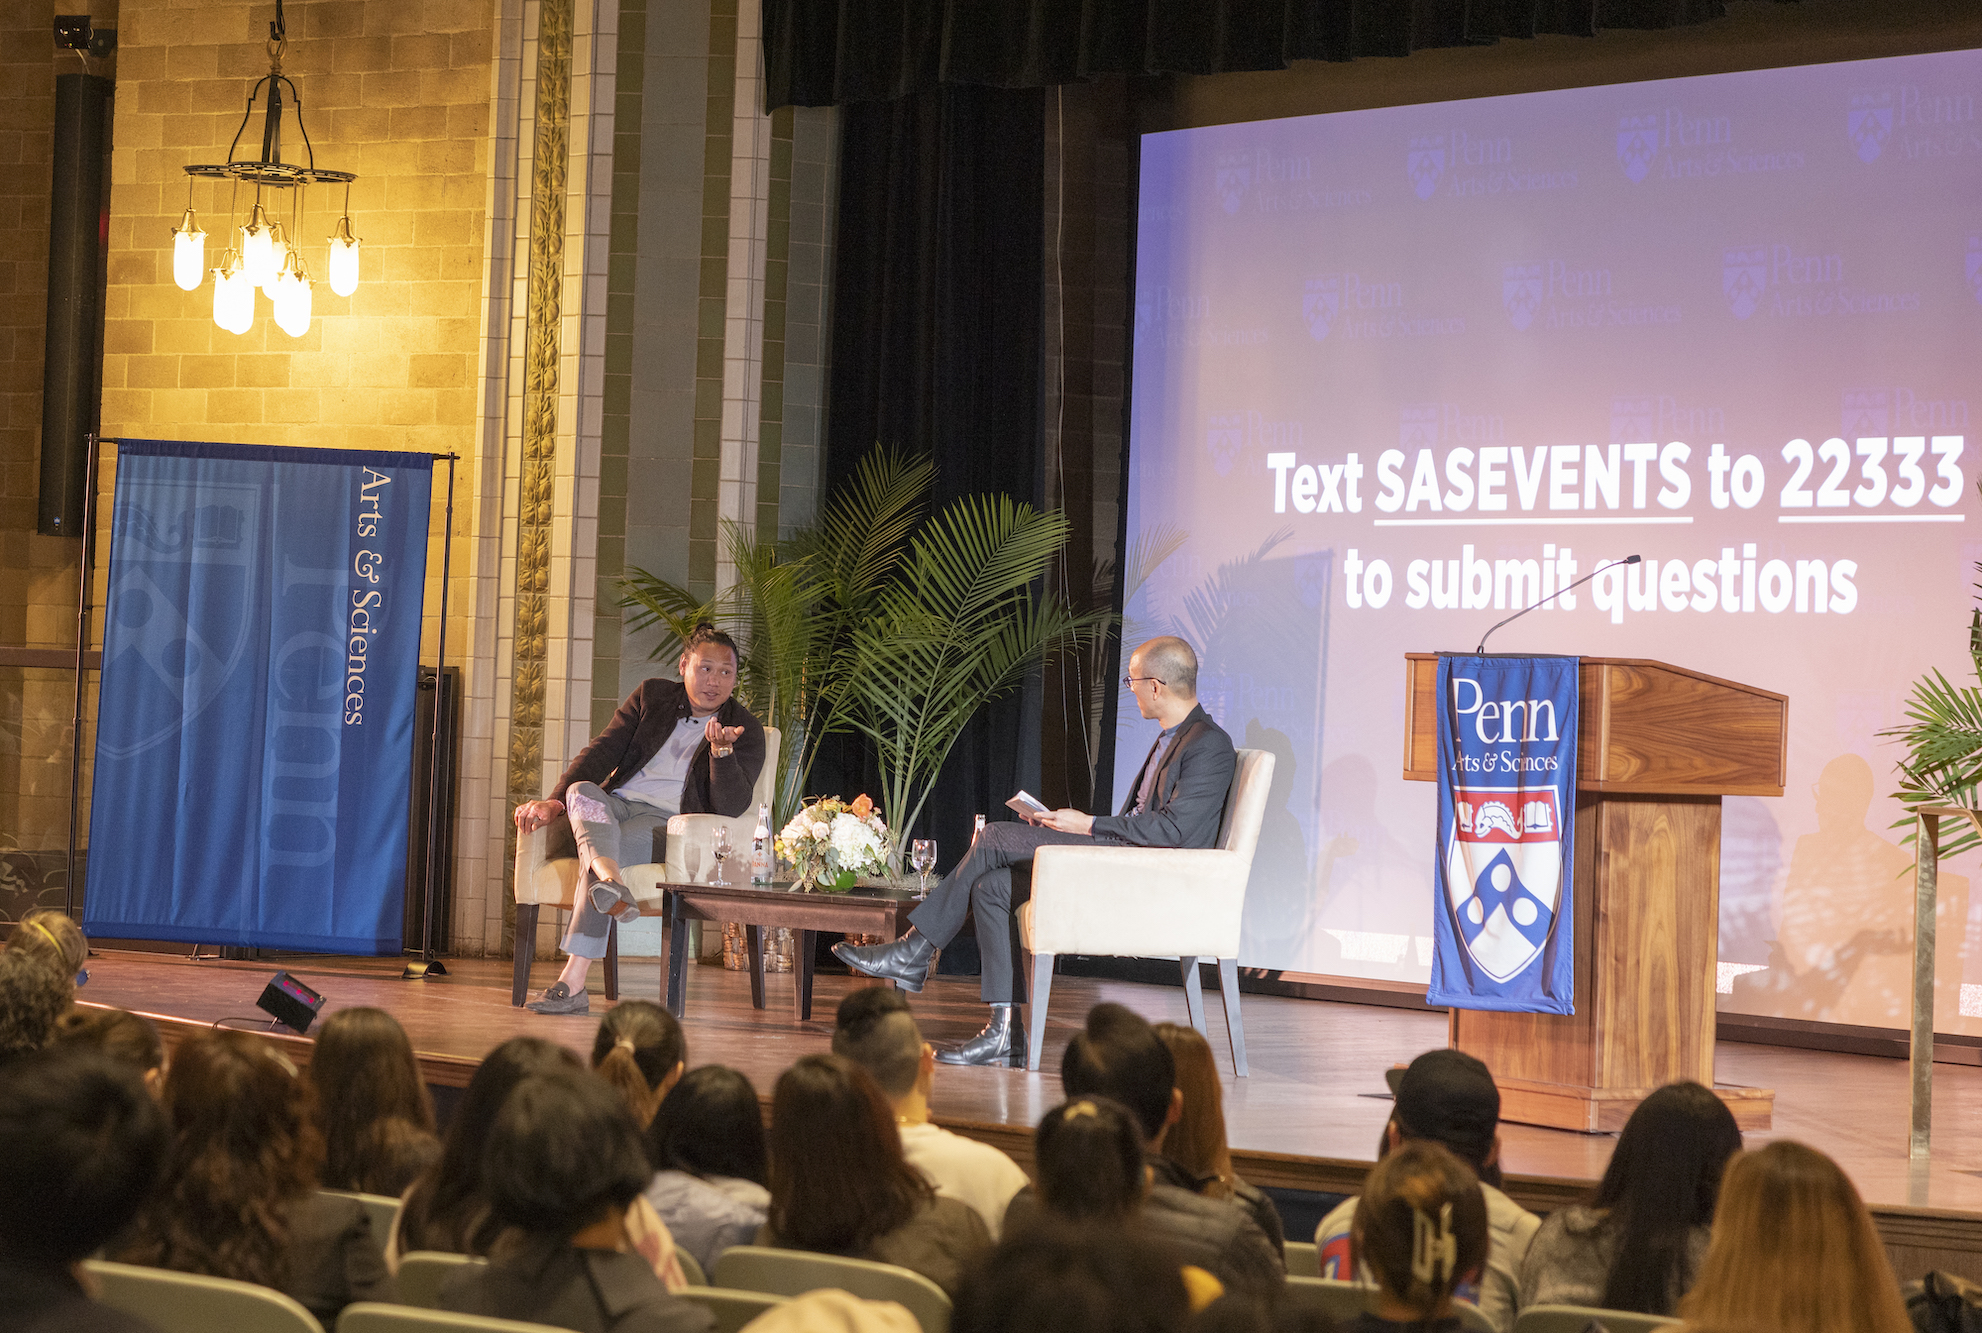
x,y
1149,902
541,882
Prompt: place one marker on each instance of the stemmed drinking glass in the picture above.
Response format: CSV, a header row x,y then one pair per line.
x,y
720,849
922,855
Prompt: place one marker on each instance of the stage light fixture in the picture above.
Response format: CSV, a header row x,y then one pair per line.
x,y
265,245
290,1002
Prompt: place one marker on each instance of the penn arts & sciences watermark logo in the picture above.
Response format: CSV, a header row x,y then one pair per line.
x,y
1911,123
1902,409
1975,264
1662,416
1176,318
1559,294
1247,435
1459,163
1261,180
1674,143
1353,305
1798,282
1430,425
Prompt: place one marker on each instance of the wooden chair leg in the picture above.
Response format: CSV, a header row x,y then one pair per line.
x,y
1193,993
612,959
1039,987
1235,1027
526,950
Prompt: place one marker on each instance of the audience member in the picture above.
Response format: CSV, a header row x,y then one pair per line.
x,y
117,1033
839,1183
239,1198
1055,1277
82,1143
561,1168
1638,1242
1421,1227
1793,1251
1449,1098
32,998
876,1030
56,940
1118,1056
373,1108
706,1145
1196,1143
640,1051
446,1208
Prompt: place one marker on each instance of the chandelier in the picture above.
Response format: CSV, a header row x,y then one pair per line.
x,y
264,254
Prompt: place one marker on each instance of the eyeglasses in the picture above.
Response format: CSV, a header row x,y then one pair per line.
x,y
1132,681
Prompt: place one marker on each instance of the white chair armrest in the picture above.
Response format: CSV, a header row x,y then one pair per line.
x,y
1137,902
539,880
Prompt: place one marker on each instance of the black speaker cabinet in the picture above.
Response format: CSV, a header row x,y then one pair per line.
x,y
72,370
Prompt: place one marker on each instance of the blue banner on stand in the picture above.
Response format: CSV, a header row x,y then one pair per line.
x,y
1504,923
261,657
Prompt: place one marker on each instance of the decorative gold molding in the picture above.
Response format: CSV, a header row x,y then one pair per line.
x,y
542,343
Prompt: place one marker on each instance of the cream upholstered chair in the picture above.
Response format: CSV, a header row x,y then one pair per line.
x,y
1150,902
541,882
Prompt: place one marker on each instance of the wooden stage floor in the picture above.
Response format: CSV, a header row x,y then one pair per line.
x,y
1308,1117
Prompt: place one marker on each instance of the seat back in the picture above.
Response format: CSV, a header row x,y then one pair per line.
x,y
795,1272
421,1273
192,1303
1343,1301
376,1317
380,1209
1245,803
691,1268
732,1308
1303,1259
687,856
1576,1318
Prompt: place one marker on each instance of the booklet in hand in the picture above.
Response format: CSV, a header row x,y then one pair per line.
x,y
1026,804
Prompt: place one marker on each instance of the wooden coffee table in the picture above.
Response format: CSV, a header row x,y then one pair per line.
x,y
862,911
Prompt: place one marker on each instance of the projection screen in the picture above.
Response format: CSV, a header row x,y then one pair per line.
x,y
1398,373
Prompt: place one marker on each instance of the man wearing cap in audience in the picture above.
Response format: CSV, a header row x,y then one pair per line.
x,y
1449,1098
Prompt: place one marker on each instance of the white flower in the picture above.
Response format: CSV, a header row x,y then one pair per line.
x,y
853,841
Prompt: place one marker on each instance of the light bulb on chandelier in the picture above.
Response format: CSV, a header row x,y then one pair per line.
x,y
233,295
258,248
343,258
292,298
278,254
188,252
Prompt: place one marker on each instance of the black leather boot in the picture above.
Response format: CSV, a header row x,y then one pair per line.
x,y
1001,1043
905,962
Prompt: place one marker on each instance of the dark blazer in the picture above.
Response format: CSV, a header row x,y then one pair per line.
x,y
1188,804
591,1291
642,726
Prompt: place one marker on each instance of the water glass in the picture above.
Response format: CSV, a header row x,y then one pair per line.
x,y
922,855
719,847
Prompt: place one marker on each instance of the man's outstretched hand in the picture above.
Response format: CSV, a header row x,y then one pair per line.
x,y
721,737
1065,821
533,815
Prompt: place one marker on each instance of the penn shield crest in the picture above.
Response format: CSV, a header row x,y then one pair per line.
x,y
1504,874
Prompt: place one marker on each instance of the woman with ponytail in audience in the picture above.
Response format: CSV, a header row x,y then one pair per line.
x,y
1793,1251
373,1107
639,1051
1638,1242
1421,1228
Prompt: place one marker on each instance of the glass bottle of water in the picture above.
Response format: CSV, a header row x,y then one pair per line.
x,y
762,859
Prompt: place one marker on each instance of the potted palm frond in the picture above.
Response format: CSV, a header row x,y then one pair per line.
x,y
1942,767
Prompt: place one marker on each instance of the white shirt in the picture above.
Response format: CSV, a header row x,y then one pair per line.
x,y
659,783
964,1169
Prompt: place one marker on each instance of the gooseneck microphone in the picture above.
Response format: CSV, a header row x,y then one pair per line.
x,y
1627,560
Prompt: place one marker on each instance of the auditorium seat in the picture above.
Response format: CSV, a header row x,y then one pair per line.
x,y
376,1317
731,1307
422,1271
1576,1318
380,1208
1149,902
1343,1301
194,1303
1303,1259
554,883
794,1272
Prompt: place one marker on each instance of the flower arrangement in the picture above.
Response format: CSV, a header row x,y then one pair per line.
x,y
831,842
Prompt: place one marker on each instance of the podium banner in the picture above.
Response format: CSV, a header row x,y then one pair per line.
x,y
260,668
1503,926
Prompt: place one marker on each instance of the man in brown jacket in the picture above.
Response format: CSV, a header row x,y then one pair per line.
x,y
674,748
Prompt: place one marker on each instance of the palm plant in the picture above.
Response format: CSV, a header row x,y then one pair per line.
x,y
795,604
1943,761
959,626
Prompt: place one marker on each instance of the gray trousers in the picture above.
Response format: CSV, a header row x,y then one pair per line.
x,y
982,889
599,824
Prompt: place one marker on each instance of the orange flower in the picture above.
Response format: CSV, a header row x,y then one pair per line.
x,y
862,806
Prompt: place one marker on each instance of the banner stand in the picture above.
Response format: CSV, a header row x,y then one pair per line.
x,y
427,964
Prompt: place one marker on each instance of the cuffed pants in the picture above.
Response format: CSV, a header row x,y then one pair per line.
x,y
982,886
599,824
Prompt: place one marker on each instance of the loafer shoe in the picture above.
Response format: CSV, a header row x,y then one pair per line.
x,y
614,900
558,998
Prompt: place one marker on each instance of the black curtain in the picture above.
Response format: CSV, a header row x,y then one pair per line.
x,y
937,347
831,52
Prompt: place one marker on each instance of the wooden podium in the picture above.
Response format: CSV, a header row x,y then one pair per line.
x,y
1657,748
